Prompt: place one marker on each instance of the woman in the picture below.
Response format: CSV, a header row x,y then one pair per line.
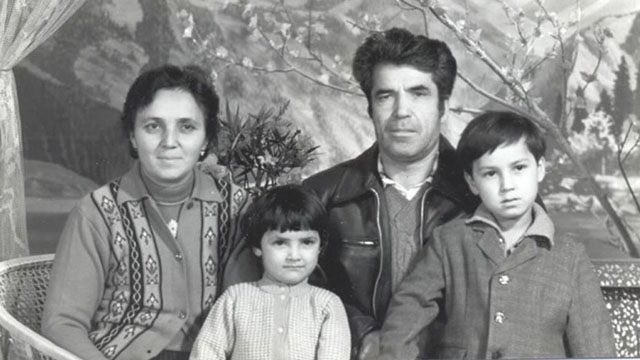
x,y
141,259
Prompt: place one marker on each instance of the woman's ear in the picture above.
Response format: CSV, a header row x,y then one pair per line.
x,y
132,139
257,251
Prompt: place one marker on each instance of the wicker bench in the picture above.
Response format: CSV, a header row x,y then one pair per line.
x,y
24,281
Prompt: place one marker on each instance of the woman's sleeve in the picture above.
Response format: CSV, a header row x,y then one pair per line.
x,y
217,336
76,285
335,337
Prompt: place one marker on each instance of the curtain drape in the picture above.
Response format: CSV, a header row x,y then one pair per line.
x,y
24,24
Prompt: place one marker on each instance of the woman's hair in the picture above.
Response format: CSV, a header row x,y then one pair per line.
x,y
491,129
400,47
188,78
285,208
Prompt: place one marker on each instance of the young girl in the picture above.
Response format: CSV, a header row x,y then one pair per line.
x,y
280,316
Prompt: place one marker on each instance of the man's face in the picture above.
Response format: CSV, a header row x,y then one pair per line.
x,y
405,114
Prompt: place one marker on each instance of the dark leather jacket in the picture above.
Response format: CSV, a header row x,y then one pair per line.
x,y
356,261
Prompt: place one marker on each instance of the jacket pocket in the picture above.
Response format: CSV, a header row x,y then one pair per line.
x,y
360,242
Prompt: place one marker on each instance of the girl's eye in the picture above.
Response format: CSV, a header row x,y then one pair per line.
x,y
278,243
309,242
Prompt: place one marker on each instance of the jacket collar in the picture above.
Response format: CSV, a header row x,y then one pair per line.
x,y
132,188
541,227
362,174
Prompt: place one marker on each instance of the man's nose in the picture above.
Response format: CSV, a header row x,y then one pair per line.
x,y
402,105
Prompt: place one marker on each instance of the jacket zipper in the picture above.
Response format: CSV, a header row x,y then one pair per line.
x,y
375,286
424,198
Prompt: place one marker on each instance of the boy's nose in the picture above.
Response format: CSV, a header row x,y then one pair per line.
x,y
507,182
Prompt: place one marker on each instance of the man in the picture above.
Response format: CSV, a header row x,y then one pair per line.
x,y
384,204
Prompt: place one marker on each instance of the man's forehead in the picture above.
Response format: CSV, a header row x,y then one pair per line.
x,y
385,74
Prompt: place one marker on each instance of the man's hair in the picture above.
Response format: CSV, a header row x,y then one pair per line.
x,y
398,46
285,208
191,79
495,128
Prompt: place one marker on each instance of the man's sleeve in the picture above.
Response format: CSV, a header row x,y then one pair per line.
x,y
589,330
415,304
76,286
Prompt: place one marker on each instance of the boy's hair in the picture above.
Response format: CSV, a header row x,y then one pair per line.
x,y
494,128
398,46
285,208
191,79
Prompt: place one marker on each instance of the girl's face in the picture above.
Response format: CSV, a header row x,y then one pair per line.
x,y
169,135
289,257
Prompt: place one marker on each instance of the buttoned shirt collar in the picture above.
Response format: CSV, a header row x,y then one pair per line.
x,y
132,188
541,227
410,192
267,285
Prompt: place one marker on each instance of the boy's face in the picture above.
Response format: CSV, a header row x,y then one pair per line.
x,y
289,257
507,181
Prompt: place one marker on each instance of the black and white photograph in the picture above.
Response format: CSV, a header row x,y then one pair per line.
x,y
319,179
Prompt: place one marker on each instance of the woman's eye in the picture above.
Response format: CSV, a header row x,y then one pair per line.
x,y
151,126
188,127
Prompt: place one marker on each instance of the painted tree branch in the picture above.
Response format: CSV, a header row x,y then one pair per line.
x,y
541,118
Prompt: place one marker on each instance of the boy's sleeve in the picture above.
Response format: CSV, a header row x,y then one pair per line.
x,y
335,337
589,331
414,306
217,336
77,285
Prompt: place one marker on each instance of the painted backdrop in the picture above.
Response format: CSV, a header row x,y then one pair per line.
x,y
576,60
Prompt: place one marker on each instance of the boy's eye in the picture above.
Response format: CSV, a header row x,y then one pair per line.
x,y
520,167
489,173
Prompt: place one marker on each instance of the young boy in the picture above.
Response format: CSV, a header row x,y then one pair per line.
x,y
280,316
504,286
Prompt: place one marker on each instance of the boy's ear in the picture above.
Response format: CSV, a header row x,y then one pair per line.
x,y
541,168
257,251
472,184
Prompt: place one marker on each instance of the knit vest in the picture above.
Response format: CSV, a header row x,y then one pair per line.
x,y
404,227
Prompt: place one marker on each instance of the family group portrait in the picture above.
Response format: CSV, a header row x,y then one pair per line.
x,y
319,179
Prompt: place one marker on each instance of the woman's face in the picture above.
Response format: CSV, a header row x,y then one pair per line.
x,y
169,135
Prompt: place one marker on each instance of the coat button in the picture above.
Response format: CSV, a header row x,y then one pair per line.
x,y
182,315
280,330
499,317
503,279
496,355
178,256
189,205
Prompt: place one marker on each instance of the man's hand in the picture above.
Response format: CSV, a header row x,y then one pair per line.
x,y
370,347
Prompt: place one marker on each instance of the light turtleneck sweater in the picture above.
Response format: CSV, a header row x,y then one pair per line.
x,y
169,197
